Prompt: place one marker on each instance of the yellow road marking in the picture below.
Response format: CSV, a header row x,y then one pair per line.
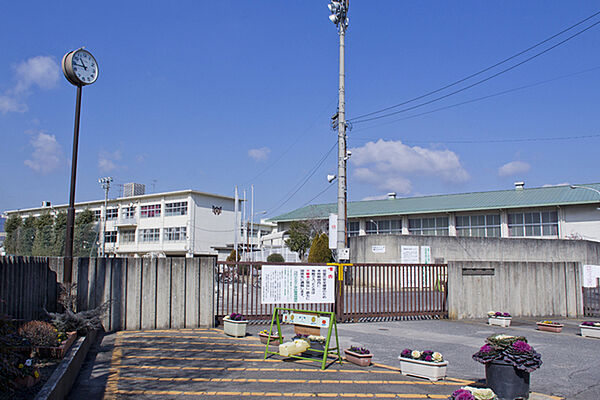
x,y
196,350
113,377
199,342
280,394
269,380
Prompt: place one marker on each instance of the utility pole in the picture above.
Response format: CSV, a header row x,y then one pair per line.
x,y
105,182
339,12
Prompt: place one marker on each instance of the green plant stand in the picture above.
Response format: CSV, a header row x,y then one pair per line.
x,y
327,350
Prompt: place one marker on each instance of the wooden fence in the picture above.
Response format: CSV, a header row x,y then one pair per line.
x,y
144,293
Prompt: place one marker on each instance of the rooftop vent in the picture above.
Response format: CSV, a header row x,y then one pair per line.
x,y
46,204
519,185
391,195
133,189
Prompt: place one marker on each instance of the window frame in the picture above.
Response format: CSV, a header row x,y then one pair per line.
x,y
150,211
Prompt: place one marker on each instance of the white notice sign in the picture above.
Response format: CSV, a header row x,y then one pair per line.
x,y
410,254
297,284
425,255
333,231
378,249
590,275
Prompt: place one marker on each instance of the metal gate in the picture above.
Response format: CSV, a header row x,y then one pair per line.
x,y
591,301
366,292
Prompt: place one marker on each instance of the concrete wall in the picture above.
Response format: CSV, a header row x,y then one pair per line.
x,y
145,293
149,293
448,248
519,288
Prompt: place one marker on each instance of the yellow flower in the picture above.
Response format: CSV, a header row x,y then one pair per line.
x,y
21,366
36,374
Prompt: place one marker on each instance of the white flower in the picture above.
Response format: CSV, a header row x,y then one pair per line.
x,y
491,313
437,357
481,394
28,363
415,354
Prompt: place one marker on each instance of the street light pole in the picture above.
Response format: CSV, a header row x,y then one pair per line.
x,y
106,186
339,12
585,187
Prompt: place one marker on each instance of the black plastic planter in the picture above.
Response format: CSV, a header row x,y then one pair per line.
x,y
508,382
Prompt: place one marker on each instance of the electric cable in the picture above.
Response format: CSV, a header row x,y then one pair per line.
x,y
477,99
361,119
309,175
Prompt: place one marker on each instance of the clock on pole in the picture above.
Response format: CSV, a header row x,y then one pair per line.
x,y
81,69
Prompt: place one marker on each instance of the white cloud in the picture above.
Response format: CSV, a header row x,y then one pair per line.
x,y
40,71
513,168
107,161
11,104
47,155
389,164
259,154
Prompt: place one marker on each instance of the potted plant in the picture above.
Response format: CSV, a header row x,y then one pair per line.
x,y
273,338
508,362
499,318
471,393
235,325
590,329
550,326
28,374
424,364
359,355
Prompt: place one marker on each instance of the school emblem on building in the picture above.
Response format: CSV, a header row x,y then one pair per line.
x,y
217,210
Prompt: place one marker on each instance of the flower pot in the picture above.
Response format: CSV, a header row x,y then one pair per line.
x,y
590,331
234,328
362,360
500,321
58,351
557,328
26,381
423,369
274,339
507,381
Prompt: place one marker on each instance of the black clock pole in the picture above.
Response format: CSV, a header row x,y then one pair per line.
x,y
68,264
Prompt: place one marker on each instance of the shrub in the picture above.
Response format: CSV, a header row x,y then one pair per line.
x,y
275,257
39,333
319,250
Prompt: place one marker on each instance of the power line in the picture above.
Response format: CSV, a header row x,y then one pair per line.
x,y
319,194
358,119
480,98
309,175
503,140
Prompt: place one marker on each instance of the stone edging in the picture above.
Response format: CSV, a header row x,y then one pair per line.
x,y
63,378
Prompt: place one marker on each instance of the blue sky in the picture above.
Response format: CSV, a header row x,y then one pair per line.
x,y
209,95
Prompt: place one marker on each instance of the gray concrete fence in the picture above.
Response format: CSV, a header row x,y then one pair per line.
x,y
519,288
144,293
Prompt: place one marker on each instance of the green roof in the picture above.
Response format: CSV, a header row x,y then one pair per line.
x,y
500,199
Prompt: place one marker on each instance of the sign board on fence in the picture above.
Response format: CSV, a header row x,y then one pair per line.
x,y
297,284
590,275
410,254
333,231
378,249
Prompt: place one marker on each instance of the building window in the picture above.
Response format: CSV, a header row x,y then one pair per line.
x,y
175,234
533,224
97,215
172,209
150,211
383,226
353,228
128,236
110,237
128,212
149,235
428,226
112,213
478,225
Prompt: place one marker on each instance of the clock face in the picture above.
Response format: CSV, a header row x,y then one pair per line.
x,y
85,67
